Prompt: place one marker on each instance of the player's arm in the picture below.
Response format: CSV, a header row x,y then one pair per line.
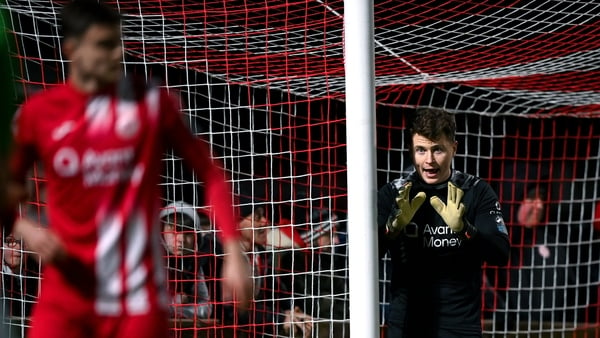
x,y
23,155
492,234
483,225
395,210
196,154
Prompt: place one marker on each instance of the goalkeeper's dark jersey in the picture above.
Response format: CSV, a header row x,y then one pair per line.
x,y
436,274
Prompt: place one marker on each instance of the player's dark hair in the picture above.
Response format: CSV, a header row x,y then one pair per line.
x,y
434,123
79,15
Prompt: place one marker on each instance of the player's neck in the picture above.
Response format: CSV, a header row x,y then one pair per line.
x,y
87,85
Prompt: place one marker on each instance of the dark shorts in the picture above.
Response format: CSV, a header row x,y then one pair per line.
x,y
400,325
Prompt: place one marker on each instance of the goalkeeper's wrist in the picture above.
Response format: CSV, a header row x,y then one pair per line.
x,y
468,231
391,226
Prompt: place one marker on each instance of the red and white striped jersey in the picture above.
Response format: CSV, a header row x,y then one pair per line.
x,y
102,160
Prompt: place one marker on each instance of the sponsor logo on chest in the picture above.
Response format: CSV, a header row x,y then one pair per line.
x,y
97,167
440,237
102,148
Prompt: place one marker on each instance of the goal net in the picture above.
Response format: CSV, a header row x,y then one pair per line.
x,y
263,83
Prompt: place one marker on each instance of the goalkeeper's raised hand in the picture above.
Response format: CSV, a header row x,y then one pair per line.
x,y
452,212
405,210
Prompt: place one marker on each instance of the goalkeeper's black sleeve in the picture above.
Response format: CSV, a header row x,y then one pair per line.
x,y
492,235
484,213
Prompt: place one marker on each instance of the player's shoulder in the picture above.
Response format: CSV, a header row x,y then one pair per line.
x,y
389,190
401,181
467,181
135,88
44,105
55,94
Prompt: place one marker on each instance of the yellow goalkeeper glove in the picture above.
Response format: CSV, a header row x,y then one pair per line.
x,y
453,212
404,210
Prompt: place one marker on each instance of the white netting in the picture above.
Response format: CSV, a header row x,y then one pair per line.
x,y
264,84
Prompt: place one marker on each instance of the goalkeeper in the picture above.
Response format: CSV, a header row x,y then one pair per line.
x,y
439,225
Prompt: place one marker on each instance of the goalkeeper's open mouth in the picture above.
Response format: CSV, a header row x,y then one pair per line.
x,y
431,173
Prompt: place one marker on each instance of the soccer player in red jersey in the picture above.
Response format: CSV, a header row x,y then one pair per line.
x,y
100,139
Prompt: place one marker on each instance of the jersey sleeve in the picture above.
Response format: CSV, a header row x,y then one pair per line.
x,y
492,233
196,154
